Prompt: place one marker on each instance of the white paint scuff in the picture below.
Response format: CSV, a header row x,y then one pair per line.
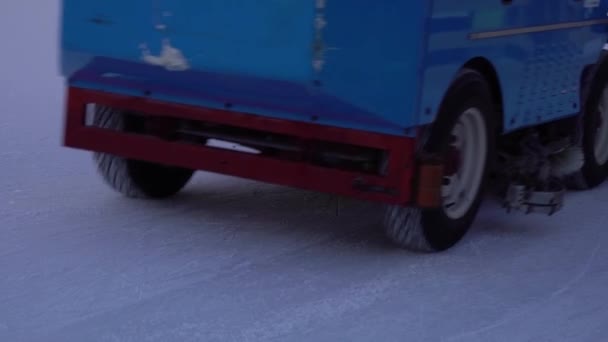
x,y
591,3
319,46
169,58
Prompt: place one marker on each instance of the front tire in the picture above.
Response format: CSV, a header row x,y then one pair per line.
x,y
135,178
464,136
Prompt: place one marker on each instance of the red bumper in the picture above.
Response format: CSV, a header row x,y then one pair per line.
x,y
395,186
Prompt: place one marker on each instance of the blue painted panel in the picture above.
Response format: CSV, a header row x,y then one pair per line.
x,y
369,81
280,99
271,39
91,28
231,36
372,55
539,72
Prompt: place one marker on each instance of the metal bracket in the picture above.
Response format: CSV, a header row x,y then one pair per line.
x,y
521,198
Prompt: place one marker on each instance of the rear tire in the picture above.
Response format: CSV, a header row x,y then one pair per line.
x,y
595,134
465,124
134,178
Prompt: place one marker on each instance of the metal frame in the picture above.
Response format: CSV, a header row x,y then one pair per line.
x,y
396,187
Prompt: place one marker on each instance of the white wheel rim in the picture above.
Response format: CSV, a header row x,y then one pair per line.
x,y
470,139
601,134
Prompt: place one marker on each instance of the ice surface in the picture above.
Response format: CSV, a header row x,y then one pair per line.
x,y
232,260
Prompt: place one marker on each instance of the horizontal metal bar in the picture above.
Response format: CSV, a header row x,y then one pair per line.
x,y
536,29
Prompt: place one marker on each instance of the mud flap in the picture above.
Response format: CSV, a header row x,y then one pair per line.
x,y
429,180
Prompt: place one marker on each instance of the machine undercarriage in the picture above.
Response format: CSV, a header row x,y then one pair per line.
x,y
533,167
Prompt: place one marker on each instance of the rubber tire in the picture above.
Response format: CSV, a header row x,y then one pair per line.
x,y
592,173
134,178
431,230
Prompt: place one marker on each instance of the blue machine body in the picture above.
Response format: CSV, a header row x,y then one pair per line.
x,y
374,66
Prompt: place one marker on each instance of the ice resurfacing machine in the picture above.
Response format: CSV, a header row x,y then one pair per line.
x,y
415,104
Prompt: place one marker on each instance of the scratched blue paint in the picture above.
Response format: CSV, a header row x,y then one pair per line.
x,y
227,36
387,65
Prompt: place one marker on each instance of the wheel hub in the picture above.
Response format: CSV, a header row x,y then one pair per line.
x,y
453,161
464,164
